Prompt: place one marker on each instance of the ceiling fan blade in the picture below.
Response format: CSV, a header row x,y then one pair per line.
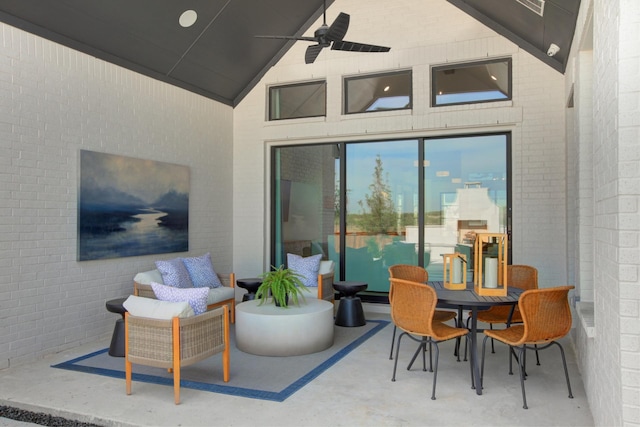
x,y
358,47
312,53
307,39
339,28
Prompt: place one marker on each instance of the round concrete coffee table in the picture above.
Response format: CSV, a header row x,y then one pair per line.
x,y
267,330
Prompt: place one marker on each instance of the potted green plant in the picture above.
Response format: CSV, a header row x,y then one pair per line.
x,y
281,283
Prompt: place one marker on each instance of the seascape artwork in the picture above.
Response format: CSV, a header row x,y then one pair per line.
x,y
130,207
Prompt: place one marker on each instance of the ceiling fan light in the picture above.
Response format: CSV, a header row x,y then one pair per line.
x,y
188,18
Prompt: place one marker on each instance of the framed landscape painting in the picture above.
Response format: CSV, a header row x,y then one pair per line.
x,y
129,207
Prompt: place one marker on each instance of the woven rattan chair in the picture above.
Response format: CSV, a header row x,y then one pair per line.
x,y
176,342
546,318
522,277
414,273
413,306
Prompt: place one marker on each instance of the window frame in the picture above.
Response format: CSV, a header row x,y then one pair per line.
x,y
345,91
438,68
272,88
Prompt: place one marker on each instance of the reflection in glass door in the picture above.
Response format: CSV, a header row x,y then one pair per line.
x,y
304,201
465,193
406,201
382,201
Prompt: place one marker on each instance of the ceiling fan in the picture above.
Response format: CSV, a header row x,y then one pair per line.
x,y
333,35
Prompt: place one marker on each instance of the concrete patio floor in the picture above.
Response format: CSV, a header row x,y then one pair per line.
x,y
357,391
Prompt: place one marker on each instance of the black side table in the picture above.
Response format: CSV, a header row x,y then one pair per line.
x,y
350,312
116,349
251,285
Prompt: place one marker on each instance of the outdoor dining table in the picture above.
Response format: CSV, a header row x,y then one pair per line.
x,y
468,299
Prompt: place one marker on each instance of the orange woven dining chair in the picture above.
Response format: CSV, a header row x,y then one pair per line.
x,y
418,274
546,318
413,306
522,277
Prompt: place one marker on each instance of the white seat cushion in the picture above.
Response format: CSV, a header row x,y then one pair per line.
x,y
156,309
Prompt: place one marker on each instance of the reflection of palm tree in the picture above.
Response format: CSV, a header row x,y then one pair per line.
x,y
379,215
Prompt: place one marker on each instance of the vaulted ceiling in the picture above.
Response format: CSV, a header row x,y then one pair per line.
x,y
218,56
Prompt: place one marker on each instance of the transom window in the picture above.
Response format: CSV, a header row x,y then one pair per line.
x,y
468,83
299,100
381,92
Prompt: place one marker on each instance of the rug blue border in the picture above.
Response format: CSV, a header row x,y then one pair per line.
x,y
280,396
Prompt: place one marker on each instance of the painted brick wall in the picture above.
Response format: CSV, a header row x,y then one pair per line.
x,y
611,227
421,35
54,102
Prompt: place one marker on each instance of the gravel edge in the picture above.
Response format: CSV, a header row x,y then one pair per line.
x,y
41,418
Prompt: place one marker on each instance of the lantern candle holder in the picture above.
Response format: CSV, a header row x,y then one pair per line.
x,y
455,271
490,269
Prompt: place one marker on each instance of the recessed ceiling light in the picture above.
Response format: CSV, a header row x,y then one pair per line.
x,y
386,89
188,18
493,77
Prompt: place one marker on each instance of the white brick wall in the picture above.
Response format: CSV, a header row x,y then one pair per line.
x,y
608,191
53,102
421,35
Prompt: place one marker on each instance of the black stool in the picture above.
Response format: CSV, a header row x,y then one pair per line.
x,y
116,349
251,285
350,312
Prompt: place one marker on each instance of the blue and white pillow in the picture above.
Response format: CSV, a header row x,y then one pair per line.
x,y
306,267
174,273
196,297
201,271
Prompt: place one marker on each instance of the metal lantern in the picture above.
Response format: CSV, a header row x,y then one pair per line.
x,y
455,271
490,264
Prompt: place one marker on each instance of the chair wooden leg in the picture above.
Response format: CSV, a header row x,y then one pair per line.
x,y
127,364
226,352
176,359
127,370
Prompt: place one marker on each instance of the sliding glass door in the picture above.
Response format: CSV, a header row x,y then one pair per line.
x,y
465,192
382,201
370,205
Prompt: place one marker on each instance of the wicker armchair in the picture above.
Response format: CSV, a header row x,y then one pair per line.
x,y
325,281
412,309
414,273
176,342
546,318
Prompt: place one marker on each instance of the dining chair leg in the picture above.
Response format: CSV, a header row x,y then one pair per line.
x,y
395,363
422,348
493,349
537,357
435,371
521,369
484,345
566,371
393,338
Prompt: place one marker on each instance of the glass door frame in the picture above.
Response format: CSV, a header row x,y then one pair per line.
x,y
275,231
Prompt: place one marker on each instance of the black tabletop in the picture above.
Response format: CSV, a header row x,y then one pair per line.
x,y
470,298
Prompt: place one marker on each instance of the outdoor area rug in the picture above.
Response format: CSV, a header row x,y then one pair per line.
x,y
255,377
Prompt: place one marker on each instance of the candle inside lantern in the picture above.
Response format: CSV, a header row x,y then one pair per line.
x,y
491,273
457,270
